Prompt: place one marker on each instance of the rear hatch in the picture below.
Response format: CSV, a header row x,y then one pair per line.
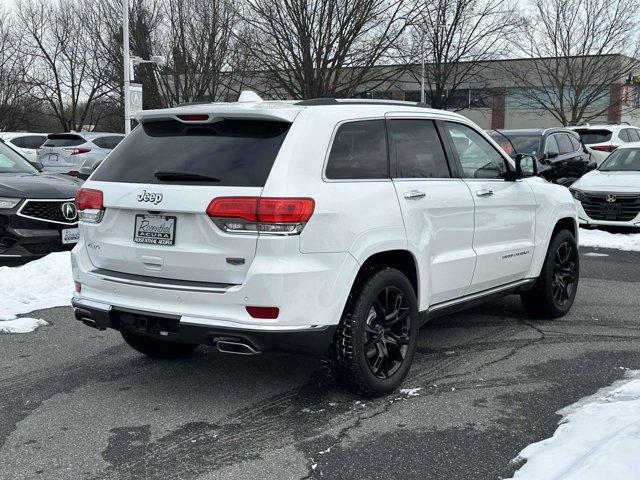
x,y
59,148
157,186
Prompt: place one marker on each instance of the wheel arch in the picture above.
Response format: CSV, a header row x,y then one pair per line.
x,y
400,259
565,223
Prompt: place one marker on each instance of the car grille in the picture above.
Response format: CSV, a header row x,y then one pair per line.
x,y
598,208
50,211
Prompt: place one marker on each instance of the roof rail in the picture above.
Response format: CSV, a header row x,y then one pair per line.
x,y
312,102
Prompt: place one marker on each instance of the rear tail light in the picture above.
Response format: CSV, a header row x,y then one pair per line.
x,y
77,151
266,313
90,205
267,215
603,148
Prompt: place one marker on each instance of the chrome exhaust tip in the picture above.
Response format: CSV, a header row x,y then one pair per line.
x,y
235,347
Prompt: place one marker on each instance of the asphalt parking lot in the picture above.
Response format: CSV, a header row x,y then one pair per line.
x,y
78,403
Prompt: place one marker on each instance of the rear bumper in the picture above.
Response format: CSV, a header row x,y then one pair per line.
x,y
310,340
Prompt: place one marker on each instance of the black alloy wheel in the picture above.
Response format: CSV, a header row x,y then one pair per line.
x,y
386,333
564,266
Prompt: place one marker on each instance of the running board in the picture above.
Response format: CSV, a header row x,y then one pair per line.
x,y
468,301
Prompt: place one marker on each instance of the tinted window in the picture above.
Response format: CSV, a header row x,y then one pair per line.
x,y
478,157
417,149
624,135
236,152
564,143
13,162
634,135
30,141
109,142
359,151
529,144
594,136
62,140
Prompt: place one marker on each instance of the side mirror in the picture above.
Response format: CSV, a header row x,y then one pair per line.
x,y
38,166
526,165
551,154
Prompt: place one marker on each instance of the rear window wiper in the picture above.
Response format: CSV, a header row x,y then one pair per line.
x,y
185,176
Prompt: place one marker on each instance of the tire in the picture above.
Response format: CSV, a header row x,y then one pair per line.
x,y
556,287
376,339
157,348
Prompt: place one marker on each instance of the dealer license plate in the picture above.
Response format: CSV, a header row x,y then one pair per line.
x,y
155,229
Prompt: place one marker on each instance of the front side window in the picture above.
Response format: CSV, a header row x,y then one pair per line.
x,y
417,149
359,151
564,143
478,157
552,147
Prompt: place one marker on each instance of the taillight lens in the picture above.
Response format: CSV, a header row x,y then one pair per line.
x,y
90,205
77,151
603,148
267,215
267,313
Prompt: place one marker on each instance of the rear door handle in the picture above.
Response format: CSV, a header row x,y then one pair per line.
x,y
485,192
414,194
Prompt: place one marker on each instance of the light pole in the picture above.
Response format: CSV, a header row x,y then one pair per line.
x,y
127,69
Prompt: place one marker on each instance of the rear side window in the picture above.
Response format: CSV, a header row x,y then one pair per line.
x,y
624,135
564,143
29,141
417,149
589,137
237,153
576,143
359,151
634,135
109,142
64,141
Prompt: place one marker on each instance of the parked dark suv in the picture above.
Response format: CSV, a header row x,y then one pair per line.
x,y
37,211
560,153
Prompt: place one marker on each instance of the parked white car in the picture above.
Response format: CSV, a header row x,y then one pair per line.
x,y
601,140
610,195
25,143
325,226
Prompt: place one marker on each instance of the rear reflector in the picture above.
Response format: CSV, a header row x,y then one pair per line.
x,y
266,313
194,118
603,148
78,287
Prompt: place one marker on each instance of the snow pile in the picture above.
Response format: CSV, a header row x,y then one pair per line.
x,y
598,438
40,284
21,325
602,239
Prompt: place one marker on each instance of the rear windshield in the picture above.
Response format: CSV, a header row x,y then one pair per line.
x,y
237,153
589,137
64,141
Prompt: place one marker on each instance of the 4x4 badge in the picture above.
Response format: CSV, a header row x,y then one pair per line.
x,y
154,198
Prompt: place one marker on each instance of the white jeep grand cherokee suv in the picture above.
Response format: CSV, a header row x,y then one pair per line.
x,y
323,226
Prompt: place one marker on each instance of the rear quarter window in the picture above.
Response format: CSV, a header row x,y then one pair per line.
x,y
359,151
589,137
108,142
236,152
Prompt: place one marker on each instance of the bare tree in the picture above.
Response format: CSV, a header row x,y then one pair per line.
x,y
198,44
320,48
453,38
578,72
66,73
15,104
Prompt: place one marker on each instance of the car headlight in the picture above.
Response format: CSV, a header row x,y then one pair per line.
x,y
6,203
578,194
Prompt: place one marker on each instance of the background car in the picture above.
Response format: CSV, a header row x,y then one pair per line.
x,y
25,143
601,140
610,195
37,213
562,157
76,152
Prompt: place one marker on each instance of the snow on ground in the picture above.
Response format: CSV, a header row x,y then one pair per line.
x,y
40,284
602,239
21,325
598,438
